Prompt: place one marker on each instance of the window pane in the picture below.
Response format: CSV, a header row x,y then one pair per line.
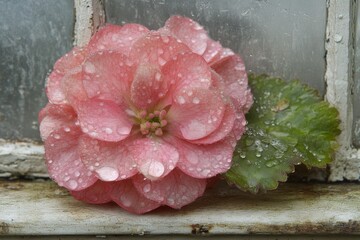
x,y
356,99
282,38
33,34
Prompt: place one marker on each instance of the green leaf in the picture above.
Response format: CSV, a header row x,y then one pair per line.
x,y
288,124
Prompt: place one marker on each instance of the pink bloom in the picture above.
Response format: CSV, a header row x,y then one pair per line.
x,y
143,118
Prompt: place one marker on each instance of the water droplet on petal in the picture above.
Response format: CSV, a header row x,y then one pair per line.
x,y
181,99
124,130
57,136
156,169
196,100
108,130
147,188
157,76
72,184
108,173
125,200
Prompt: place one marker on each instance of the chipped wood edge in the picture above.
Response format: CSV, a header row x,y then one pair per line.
x,y
22,159
89,15
339,77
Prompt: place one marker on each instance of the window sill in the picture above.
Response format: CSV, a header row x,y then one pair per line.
x,y
42,208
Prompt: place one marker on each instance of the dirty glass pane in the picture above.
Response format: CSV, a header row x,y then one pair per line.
x,y
282,38
356,99
33,34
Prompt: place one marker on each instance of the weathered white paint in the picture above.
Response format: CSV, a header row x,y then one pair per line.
x,y
42,208
90,16
339,78
22,158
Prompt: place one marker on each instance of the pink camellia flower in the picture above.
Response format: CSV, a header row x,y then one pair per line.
x,y
143,118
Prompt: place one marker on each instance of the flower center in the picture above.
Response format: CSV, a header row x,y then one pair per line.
x,y
153,122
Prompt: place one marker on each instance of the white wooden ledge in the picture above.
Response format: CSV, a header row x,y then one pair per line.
x,y
42,208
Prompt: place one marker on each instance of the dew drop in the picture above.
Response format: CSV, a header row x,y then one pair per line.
x,y
57,136
157,76
156,169
77,174
181,99
196,100
123,130
108,173
67,129
161,61
72,184
147,188
66,178
125,200
108,130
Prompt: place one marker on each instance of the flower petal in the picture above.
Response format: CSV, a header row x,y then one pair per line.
x,y
196,115
117,38
212,51
223,130
232,70
187,70
63,160
156,49
203,161
148,86
103,120
98,193
154,157
73,88
175,190
125,195
107,75
71,60
110,161
54,117
188,31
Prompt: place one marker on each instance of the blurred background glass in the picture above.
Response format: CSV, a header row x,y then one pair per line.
x,y
33,34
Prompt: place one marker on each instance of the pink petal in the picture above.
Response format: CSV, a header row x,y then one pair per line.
x,y
72,86
196,115
203,161
125,195
117,38
232,70
187,70
107,75
98,193
54,117
226,126
221,55
156,49
175,190
212,51
188,31
148,86
103,120
110,161
239,126
66,63
154,157
63,160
